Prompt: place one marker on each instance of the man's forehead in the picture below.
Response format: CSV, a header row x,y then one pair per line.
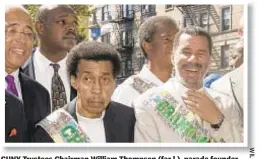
x,y
185,37
91,64
164,34
58,10
17,16
165,31
184,40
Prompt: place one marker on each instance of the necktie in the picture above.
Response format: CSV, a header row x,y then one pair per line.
x,y
11,85
58,93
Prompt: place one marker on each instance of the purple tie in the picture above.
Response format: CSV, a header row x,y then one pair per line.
x,y
11,86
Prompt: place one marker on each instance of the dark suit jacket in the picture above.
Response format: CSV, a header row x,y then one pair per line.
x,y
119,121
14,119
36,103
30,71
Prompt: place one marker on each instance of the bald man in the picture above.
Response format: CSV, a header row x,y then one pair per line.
x,y
56,30
18,45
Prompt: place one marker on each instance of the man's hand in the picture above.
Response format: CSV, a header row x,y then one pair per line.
x,y
200,104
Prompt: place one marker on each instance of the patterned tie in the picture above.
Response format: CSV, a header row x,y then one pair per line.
x,y
11,85
58,93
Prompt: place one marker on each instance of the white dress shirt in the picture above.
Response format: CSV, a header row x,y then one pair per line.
x,y
44,72
94,128
126,94
17,83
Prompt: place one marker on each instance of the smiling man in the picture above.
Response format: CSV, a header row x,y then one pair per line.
x,y
91,117
56,31
182,110
156,35
18,46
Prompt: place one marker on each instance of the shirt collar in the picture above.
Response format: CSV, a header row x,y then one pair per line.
x,y
145,73
180,87
79,117
15,74
44,63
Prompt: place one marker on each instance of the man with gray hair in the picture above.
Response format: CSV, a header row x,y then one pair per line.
x,y
19,39
183,110
156,37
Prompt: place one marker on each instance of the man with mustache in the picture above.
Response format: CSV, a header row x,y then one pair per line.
x,y
56,30
182,110
19,38
156,36
92,116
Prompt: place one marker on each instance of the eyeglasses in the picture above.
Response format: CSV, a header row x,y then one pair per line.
x,y
12,32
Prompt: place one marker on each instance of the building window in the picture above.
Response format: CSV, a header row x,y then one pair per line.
x,y
126,38
204,20
148,9
126,66
94,19
168,6
129,66
224,56
225,18
126,11
144,9
105,12
184,22
106,38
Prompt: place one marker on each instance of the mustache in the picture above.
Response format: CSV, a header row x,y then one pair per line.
x,y
191,66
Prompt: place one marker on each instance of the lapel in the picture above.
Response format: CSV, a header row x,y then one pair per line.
x,y
236,81
71,108
73,93
27,96
109,124
29,69
28,103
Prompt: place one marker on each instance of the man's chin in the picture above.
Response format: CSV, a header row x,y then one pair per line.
x,y
16,63
69,42
95,114
96,110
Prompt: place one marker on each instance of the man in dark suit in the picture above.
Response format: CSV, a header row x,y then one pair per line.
x,y
14,119
92,68
55,26
18,45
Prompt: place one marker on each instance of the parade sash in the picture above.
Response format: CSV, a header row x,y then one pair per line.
x,y
63,128
140,85
176,116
